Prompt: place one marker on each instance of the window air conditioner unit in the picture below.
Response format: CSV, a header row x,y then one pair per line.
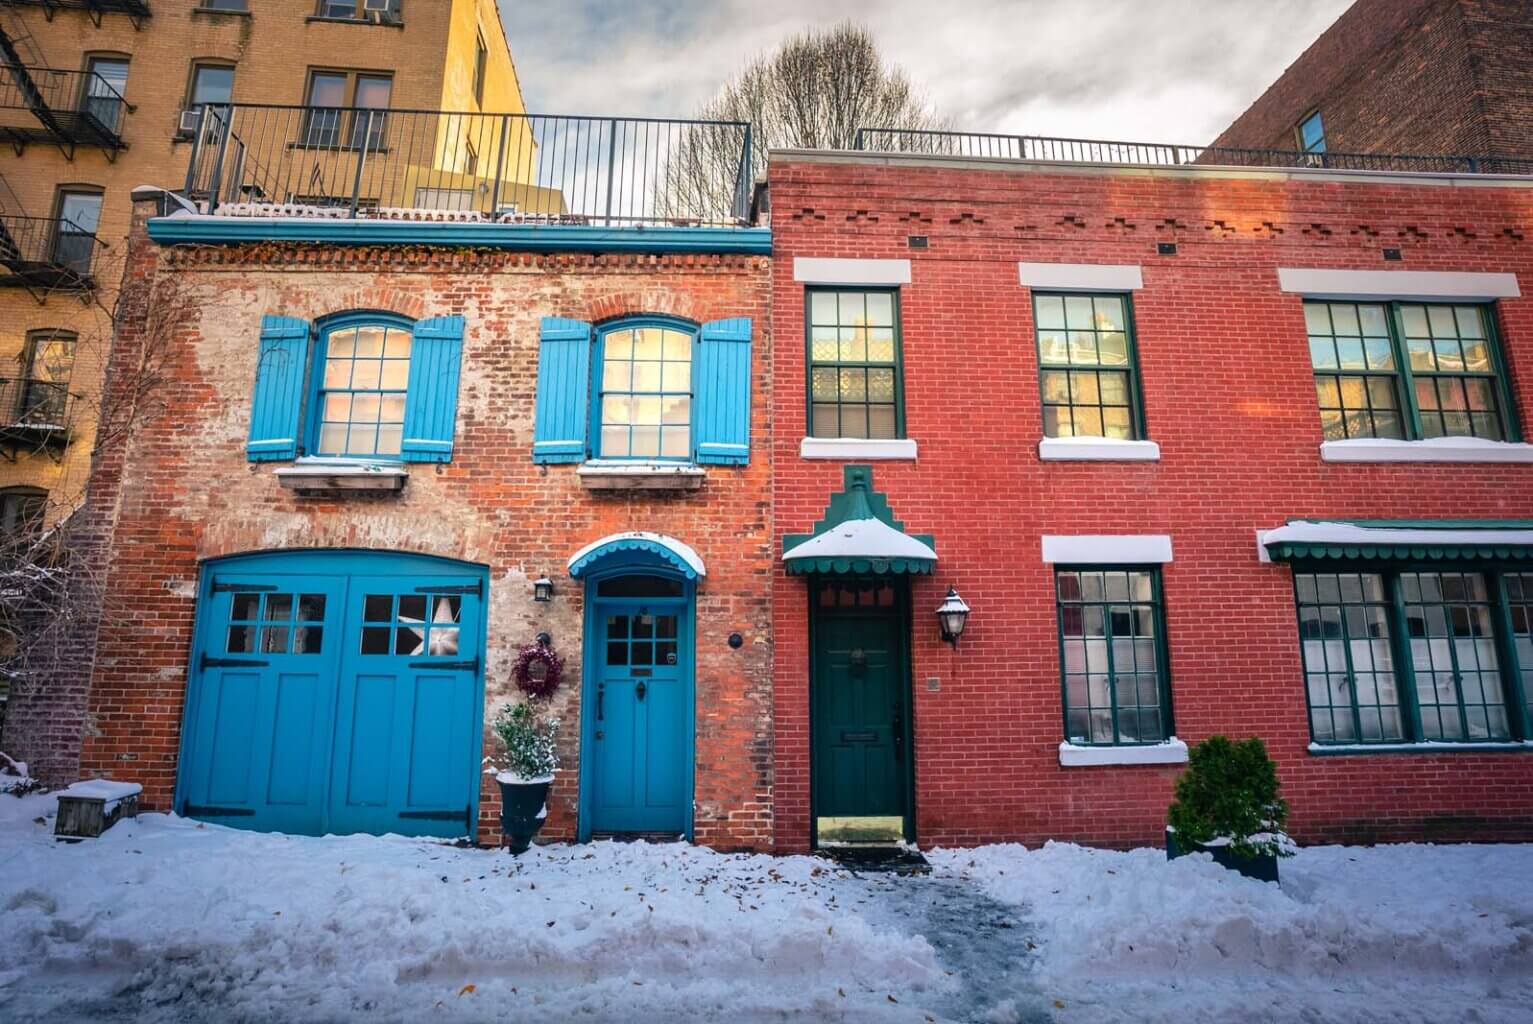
x,y
376,6
191,117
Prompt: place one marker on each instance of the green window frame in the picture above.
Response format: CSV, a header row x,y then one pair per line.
x,y
1115,680
1414,653
1408,370
856,386
1088,373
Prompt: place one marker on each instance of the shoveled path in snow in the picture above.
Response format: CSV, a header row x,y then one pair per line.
x,y
987,947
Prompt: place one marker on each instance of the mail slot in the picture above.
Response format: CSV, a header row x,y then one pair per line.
x,y
859,735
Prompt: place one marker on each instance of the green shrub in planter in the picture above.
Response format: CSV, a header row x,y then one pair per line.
x,y
1228,796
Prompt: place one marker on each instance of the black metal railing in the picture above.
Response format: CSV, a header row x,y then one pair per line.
x,y
134,9
434,165
51,104
1048,149
49,251
34,410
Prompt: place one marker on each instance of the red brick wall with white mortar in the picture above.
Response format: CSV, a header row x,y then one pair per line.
x,y
1229,396
185,491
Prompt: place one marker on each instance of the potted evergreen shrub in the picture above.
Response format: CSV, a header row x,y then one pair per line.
x,y
1227,805
525,769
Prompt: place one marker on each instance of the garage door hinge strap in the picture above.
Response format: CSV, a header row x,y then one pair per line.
x,y
208,663
477,589
436,815
202,811
472,665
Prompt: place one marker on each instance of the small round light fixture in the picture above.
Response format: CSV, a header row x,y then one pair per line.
x,y
543,590
952,615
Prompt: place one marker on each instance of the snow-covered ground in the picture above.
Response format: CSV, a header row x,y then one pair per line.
x,y
167,919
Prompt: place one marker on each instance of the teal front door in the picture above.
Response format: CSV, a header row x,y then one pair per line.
x,y
640,710
859,714
337,692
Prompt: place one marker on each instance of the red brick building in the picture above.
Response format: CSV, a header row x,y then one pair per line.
x,y
1405,76
1086,392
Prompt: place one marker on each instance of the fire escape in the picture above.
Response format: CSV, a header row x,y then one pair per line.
x,y
38,103
136,10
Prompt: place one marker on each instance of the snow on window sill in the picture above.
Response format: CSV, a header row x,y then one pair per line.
x,y
1173,751
320,473
1097,449
1425,747
640,475
856,448
1436,449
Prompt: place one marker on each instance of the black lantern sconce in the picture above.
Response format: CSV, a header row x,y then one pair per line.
x,y
952,616
543,590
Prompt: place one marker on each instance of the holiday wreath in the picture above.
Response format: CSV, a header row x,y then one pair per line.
x,y
538,670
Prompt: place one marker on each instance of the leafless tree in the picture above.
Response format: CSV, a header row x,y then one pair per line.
x,y
814,92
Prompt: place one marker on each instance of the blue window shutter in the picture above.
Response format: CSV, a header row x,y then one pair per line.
x,y
564,372
431,404
276,410
722,383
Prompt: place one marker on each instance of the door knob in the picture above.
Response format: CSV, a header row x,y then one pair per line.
x,y
640,690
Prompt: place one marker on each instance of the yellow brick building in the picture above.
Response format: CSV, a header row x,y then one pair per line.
x,y
100,96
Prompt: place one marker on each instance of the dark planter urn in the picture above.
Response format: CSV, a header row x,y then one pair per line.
x,y
523,809
1263,867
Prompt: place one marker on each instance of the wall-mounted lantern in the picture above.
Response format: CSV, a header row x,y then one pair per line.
x,y
952,615
543,590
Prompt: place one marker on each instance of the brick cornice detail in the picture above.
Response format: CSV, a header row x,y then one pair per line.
x,y
308,256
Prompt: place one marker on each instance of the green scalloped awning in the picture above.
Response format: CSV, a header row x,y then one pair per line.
x,y
1401,541
859,536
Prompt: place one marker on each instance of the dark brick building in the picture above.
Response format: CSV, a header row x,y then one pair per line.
x,y
1405,76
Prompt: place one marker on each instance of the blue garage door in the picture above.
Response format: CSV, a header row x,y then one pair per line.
x,y
336,691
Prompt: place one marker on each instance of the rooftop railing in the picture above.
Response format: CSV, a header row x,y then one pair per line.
x,y
70,108
283,161
1048,149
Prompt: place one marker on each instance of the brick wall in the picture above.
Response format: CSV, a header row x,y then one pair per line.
x,y
184,491
1229,396
1407,76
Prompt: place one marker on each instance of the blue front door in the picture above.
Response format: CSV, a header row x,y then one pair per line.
x,y
641,713
336,692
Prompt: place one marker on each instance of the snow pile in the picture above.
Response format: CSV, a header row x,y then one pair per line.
x,y
1409,932
163,917
13,776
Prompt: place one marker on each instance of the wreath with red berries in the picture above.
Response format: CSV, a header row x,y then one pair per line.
x,y
538,670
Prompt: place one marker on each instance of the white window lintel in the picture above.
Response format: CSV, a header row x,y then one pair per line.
x,y
1107,549
1435,449
1097,449
1450,285
1081,277
850,272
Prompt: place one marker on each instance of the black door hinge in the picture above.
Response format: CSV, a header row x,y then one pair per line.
x,y
210,662
203,811
476,588
472,665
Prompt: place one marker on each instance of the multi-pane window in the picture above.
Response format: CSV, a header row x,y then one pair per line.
x,y
1413,656
74,241
50,361
1311,133
1085,361
644,393
22,510
481,58
1405,370
854,365
362,391
1112,656
411,624
329,91
1348,657
275,623
211,83
105,87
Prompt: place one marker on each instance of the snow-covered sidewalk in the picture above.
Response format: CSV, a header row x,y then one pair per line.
x,y
167,919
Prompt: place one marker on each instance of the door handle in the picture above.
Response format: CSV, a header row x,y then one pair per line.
x,y
898,729
601,692
640,690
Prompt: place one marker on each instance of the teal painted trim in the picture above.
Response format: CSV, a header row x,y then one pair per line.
x,y
1424,524
431,400
650,555
722,390
276,404
861,566
520,237
1419,749
560,408
1302,552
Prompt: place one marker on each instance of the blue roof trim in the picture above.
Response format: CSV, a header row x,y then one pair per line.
x,y
624,550
520,237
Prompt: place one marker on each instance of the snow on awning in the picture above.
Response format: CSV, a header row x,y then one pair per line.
x,y
1302,540
638,547
859,536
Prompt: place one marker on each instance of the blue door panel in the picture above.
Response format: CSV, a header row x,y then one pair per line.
x,y
310,713
290,769
665,755
233,725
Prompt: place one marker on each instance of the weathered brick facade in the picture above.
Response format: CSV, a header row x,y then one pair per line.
x,y
1409,77
1229,395
179,489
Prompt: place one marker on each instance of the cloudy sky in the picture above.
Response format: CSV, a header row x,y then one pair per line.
x,y
1164,70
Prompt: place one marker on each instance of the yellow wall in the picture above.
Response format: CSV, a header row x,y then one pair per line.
x,y
431,59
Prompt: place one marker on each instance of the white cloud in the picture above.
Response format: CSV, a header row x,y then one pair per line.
x,y
1161,70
